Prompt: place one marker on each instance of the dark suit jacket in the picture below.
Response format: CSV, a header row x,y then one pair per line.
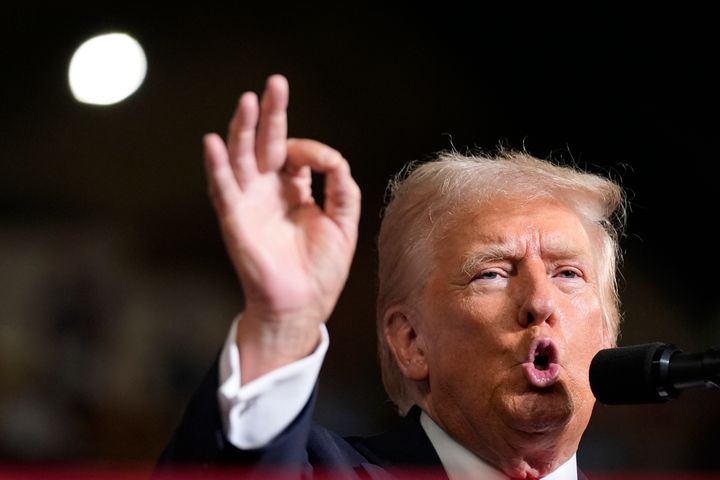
x,y
304,449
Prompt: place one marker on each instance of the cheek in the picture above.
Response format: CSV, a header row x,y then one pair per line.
x,y
583,333
469,339
479,325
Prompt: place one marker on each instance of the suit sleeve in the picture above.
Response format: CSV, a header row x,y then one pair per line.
x,y
266,422
200,438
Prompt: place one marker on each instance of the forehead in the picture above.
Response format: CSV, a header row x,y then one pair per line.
x,y
514,227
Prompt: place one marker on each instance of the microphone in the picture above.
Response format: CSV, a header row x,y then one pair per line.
x,y
651,373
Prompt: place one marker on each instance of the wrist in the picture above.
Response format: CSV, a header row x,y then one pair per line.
x,y
266,345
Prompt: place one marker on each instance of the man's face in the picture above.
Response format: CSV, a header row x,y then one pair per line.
x,y
509,321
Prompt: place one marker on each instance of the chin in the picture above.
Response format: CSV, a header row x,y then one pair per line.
x,y
536,411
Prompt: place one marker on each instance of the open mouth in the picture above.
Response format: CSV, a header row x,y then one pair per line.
x,y
541,367
542,361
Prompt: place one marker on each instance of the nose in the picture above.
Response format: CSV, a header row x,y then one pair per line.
x,y
537,299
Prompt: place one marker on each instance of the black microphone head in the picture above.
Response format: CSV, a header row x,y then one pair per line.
x,y
627,375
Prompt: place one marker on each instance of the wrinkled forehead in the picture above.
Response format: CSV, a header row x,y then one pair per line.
x,y
512,227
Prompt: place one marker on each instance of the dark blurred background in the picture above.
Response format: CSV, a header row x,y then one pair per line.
x,y
115,292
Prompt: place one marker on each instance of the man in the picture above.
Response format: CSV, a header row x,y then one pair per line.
x,y
497,287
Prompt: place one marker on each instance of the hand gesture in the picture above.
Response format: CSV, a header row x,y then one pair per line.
x,y
291,255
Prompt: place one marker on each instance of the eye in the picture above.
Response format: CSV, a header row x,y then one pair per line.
x,y
569,273
489,275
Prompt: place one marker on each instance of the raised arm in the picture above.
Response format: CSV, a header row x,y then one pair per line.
x,y
291,255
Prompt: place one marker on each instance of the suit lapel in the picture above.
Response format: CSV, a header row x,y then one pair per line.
x,y
403,447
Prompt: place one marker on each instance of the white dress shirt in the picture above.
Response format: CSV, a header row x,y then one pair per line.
x,y
255,413
461,464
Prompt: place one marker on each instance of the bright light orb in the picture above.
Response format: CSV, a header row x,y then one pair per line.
x,y
107,69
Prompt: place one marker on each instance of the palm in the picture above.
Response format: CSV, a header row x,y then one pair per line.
x,y
289,254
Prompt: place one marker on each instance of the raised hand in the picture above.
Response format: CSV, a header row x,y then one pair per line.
x,y
291,255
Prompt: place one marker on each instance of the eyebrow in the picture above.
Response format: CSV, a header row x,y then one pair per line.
x,y
489,253
504,250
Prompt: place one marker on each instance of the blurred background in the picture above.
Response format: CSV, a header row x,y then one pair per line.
x,y
115,292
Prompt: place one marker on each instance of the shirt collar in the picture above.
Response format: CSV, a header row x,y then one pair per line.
x,y
462,464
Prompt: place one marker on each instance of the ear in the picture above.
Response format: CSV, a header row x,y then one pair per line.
x,y
406,342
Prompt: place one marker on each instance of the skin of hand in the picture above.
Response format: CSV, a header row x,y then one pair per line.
x,y
291,255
